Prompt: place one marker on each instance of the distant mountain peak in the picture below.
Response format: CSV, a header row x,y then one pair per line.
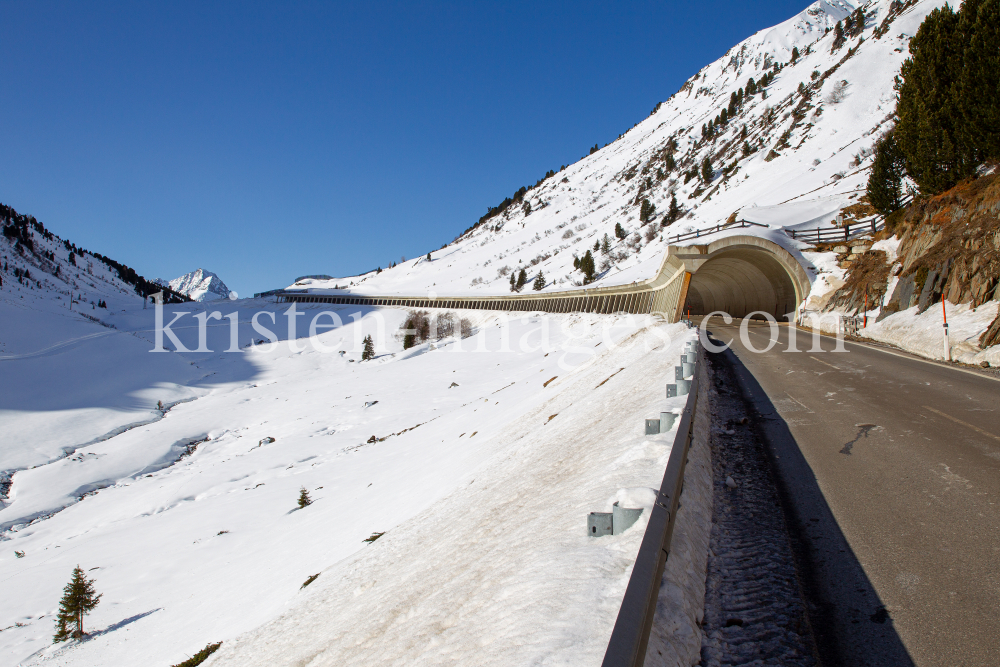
x,y
200,285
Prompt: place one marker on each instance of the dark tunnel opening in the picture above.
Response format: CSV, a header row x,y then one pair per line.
x,y
740,281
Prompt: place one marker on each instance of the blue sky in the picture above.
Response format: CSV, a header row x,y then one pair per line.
x,y
264,141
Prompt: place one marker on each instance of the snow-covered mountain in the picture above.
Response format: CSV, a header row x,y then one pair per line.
x,y
793,153
199,285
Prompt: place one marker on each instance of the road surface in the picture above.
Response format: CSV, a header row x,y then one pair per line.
x,y
890,474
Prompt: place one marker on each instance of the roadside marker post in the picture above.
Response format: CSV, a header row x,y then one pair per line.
x,y
947,343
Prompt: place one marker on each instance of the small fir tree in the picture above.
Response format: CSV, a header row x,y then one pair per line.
x,y
646,211
304,499
428,257
619,230
587,266
885,181
795,53
79,599
539,283
673,213
513,281
597,246
522,280
369,351
706,170
606,245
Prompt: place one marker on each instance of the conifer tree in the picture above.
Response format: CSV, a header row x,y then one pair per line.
x,y
304,499
597,246
646,211
369,351
673,213
539,283
795,53
928,114
619,230
606,245
428,257
576,262
587,266
978,87
79,599
513,281
706,170
885,187
522,279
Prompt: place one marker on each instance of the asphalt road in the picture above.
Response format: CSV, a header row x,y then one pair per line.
x,y
890,473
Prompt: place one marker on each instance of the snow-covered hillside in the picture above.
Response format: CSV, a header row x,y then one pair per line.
x,y
199,285
185,510
810,134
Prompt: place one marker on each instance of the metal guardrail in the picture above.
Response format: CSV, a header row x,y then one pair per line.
x,y
630,637
698,233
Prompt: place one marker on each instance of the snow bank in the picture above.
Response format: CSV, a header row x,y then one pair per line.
x,y
922,333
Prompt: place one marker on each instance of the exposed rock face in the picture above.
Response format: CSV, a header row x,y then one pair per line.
x,y
950,246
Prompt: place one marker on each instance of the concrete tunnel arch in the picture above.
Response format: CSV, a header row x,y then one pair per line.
x,y
743,274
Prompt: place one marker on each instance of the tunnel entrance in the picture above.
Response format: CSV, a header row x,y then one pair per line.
x,y
741,280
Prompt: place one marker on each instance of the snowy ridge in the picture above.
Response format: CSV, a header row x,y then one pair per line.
x,y
200,285
810,147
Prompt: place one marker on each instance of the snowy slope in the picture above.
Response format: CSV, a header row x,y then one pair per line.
x,y
819,168
200,285
483,488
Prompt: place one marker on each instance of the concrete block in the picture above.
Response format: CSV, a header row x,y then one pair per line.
x,y
622,518
600,523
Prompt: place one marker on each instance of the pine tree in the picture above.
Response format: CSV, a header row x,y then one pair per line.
x,y
597,246
428,257
927,108
795,53
706,170
369,351
885,189
539,283
646,211
978,87
304,499
576,262
606,245
673,213
587,266
513,281
619,230
78,600
522,279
